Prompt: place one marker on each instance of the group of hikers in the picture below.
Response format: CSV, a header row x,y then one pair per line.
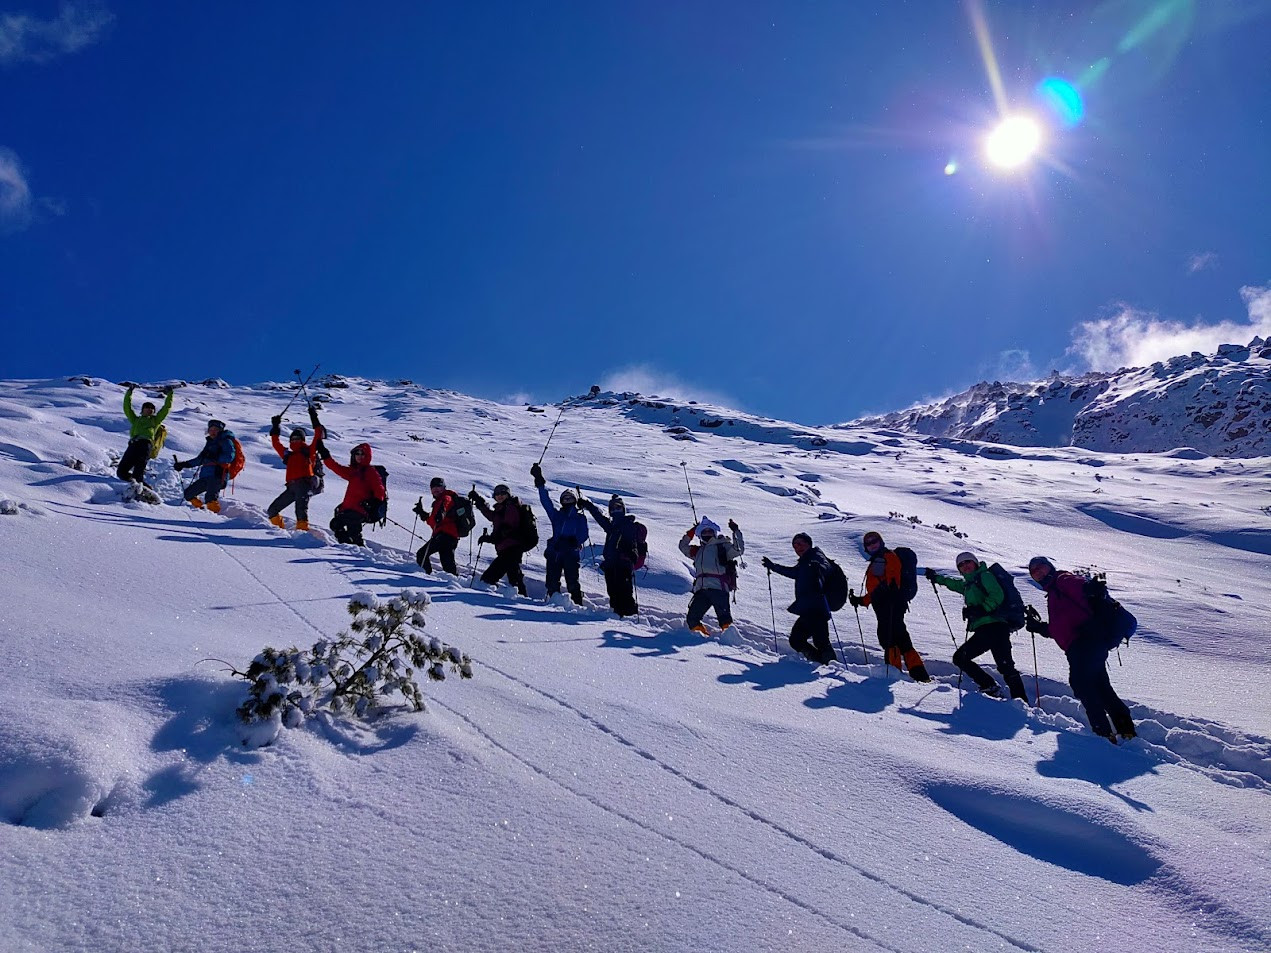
x,y
1077,620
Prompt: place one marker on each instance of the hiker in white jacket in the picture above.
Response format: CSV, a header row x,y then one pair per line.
x,y
714,572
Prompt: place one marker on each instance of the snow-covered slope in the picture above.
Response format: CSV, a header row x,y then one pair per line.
x,y
1217,404
619,785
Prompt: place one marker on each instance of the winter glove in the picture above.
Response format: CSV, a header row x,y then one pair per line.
x,y
323,452
418,509
691,532
483,538
537,473
178,465
276,420
767,563
855,600
313,415
930,573
473,495
732,525
167,388
968,613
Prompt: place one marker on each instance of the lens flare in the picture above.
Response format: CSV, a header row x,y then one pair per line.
x,y
1015,140
1063,99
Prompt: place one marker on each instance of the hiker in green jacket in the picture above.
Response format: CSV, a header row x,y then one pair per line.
x,y
141,436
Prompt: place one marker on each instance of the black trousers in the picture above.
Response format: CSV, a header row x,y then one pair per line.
x,y
133,464
620,584
442,545
891,627
816,631
996,638
506,563
347,526
297,492
705,599
1088,676
563,563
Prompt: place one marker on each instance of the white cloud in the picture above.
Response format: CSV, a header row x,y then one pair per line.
x,y
1133,338
15,194
27,39
646,380
1012,364
1202,262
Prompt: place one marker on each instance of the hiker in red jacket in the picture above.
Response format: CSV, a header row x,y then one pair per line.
x,y
364,497
445,529
298,457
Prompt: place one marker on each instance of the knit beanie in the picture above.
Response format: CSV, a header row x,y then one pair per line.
x,y
616,503
802,536
1040,561
966,558
437,482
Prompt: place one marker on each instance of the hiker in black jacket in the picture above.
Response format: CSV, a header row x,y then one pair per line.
x,y
812,624
622,552
505,535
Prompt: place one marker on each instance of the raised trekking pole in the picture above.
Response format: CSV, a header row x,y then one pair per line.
x,y
300,388
772,606
551,435
952,637
684,467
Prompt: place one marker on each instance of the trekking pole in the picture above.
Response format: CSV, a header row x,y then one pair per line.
x,y
861,630
550,435
1037,682
302,384
834,625
772,606
180,479
474,565
684,467
952,637
412,531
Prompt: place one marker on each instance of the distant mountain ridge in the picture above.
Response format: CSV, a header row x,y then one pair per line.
x,y
1218,404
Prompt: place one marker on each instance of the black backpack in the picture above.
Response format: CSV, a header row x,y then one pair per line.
x,y
908,572
461,512
1111,622
527,528
377,510
835,586
1011,611
317,482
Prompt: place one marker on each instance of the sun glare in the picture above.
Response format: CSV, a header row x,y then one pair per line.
x,y
1015,140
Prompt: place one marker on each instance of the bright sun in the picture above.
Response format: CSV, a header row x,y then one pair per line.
x,y
1014,141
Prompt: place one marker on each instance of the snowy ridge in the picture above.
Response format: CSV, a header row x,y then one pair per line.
x,y
607,784
1218,404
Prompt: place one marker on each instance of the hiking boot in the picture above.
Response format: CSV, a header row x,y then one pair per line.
x,y
302,525
1127,733
577,596
917,671
992,691
215,506
278,521
726,625
700,630
196,503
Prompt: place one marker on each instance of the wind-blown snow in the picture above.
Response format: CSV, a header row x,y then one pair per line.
x,y
611,784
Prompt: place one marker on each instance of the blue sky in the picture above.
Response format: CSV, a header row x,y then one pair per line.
x,y
783,205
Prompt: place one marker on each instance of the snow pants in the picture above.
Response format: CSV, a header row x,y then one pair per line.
x,y
563,562
297,492
506,563
996,638
347,526
704,599
815,630
1088,676
209,487
133,464
620,584
443,545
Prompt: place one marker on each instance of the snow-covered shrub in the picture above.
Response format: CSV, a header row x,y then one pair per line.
x,y
75,463
9,507
381,655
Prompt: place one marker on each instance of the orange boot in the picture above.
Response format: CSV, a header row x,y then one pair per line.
x,y
917,671
277,520
215,506
302,525
196,503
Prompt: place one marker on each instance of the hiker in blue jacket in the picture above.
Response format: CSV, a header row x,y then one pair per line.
x,y
213,462
623,545
984,598
569,534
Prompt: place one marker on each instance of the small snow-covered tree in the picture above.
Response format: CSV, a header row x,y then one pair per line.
x,y
354,673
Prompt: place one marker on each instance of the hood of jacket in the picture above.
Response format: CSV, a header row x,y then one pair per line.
x,y
366,454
